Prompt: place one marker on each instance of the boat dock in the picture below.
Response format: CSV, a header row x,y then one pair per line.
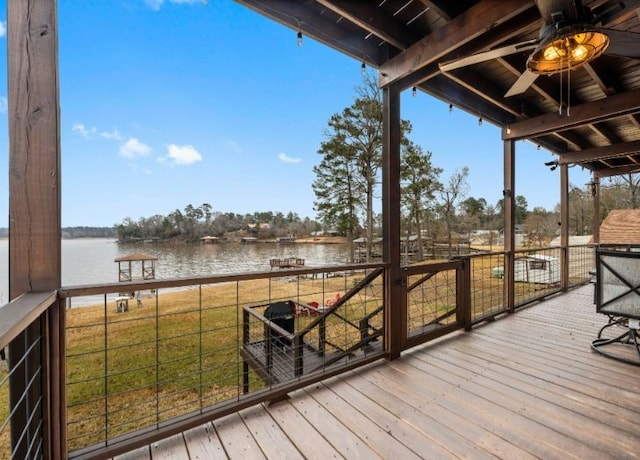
x,y
291,262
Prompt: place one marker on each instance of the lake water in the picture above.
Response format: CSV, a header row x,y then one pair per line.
x,y
91,260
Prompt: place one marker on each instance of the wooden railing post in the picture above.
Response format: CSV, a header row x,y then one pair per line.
x,y
298,351
246,336
322,335
463,293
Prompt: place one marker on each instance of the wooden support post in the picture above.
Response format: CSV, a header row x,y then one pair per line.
x,y
595,194
564,226
395,281
34,200
509,223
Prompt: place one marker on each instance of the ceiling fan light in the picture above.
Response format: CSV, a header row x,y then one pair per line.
x,y
568,48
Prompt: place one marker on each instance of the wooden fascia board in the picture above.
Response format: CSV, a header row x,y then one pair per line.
x,y
608,172
599,153
591,112
474,22
373,20
299,16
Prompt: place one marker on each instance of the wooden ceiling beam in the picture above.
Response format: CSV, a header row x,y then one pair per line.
x,y
301,16
446,90
441,7
631,9
591,112
486,90
494,37
573,138
603,79
373,20
594,71
471,24
605,131
600,153
449,92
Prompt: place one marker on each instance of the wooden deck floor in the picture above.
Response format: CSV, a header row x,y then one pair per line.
x,y
526,386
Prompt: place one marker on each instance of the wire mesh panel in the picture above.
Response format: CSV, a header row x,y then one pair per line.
x,y
581,264
431,301
537,273
487,285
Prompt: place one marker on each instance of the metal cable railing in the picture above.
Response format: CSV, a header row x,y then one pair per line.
x,y
24,377
134,368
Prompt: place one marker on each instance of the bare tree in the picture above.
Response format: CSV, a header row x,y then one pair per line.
x,y
450,194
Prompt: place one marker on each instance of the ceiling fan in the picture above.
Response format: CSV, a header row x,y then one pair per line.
x,y
571,36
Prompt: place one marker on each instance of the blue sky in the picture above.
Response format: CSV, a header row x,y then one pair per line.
x,y
167,103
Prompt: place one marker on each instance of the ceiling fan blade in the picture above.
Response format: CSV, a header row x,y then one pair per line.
x,y
522,83
488,55
623,43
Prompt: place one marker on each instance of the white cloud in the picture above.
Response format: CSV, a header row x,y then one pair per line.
x,y
183,154
4,103
156,4
84,131
3,28
134,148
113,135
287,159
234,146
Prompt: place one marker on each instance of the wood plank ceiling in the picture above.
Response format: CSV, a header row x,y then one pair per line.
x,y
589,116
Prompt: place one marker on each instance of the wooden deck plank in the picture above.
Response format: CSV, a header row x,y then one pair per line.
x,y
565,421
298,428
548,387
338,434
405,430
274,442
562,354
203,443
236,438
142,453
170,448
507,424
375,437
525,386
432,417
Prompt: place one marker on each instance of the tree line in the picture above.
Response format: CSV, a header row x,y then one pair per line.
x,y
193,223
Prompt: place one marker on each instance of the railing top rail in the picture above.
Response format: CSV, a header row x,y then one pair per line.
x,y
107,288
21,312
